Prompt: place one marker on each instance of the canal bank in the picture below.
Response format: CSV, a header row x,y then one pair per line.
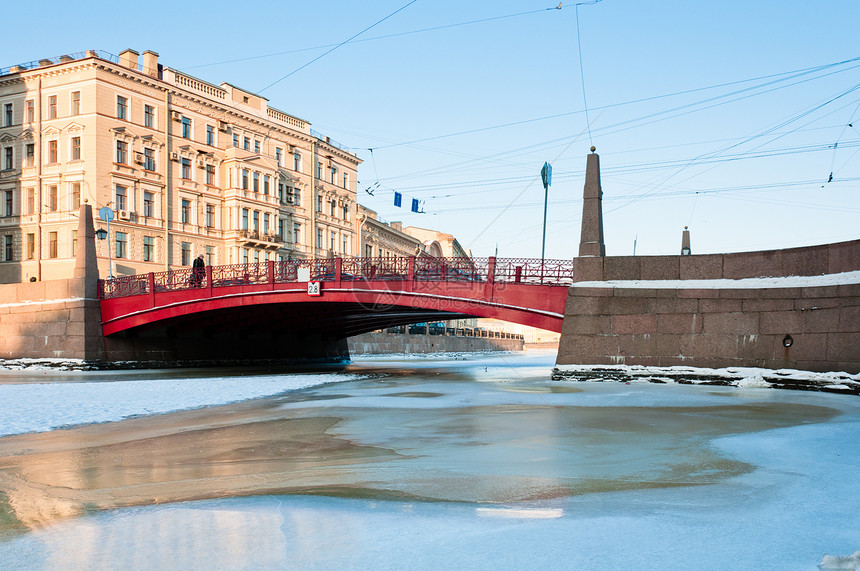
x,y
388,342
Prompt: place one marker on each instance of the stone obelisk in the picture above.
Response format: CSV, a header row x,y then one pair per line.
x,y
591,242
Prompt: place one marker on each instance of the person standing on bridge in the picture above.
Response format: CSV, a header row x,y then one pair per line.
x,y
198,271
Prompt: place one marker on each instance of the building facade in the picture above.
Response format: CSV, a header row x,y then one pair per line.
x,y
185,166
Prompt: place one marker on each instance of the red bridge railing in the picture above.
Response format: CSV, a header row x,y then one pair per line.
x,y
394,268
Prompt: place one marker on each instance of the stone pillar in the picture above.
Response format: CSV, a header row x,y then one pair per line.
x,y
685,242
85,286
591,242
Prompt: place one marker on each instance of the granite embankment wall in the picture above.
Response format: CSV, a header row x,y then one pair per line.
x,y
671,310
48,319
424,343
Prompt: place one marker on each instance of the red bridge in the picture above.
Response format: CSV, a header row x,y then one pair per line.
x,y
356,295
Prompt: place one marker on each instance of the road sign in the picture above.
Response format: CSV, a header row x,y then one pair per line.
x,y
106,214
314,289
546,175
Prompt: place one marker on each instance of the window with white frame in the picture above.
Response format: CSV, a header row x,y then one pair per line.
x,y
186,253
148,204
148,248
210,135
186,211
186,127
52,107
8,158
186,168
76,148
76,103
148,159
121,245
210,215
297,161
149,116
122,152
121,107
8,114
121,197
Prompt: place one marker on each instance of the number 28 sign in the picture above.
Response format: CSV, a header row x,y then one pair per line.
x,y
314,289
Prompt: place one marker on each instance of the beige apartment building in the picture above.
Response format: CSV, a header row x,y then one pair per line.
x,y
187,168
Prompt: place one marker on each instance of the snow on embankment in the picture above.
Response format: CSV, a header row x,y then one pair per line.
x,y
40,407
742,377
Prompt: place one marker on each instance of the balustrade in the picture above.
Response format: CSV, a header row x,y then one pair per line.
x,y
393,268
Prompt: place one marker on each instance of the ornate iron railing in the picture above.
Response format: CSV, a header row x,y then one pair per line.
x,y
394,268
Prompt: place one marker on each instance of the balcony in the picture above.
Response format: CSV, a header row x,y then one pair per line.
x,y
255,238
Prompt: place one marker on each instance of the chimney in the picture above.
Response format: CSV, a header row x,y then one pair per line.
x,y
66,59
150,63
128,58
685,242
397,226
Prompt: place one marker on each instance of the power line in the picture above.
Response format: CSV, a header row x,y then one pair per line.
x,y
338,45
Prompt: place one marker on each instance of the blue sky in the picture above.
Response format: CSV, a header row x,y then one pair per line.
x,y
693,107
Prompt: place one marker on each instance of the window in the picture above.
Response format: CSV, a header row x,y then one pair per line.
x,y
256,221
256,182
332,207
186,127
8,114
53,197
122,152
121,245
297,233
7,248
265,223
30,155
31,246
52,107
121,197
333,172
52,245
245,255
148,204
278,153
319,238
257,147
297,197
281,229
210,215
186,168
235,140
186,253
76,102
74,243
75,195
210,255
245,179
368,251
148,249
121,107
210,174
346,212
345,249
186,211
52,152
31,200
76,148
210,135
319,170
346,180
319,203
332,240
266,184
31,110
244,219
9,161
148,159
297,162
246,144
148,116
8,202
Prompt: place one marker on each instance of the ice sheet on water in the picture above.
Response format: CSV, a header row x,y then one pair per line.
x,y
39,407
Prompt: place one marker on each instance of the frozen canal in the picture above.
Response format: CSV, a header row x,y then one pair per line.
x,y
424,463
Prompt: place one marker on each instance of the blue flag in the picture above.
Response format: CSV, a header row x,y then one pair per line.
x,y
397,197
414,205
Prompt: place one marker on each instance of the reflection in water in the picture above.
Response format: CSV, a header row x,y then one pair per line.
x,y
429,435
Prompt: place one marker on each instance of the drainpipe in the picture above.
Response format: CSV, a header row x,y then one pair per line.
x,y
168,207
314,201
38,199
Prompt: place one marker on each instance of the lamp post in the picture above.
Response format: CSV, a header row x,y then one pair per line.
x,y
546,177
106,214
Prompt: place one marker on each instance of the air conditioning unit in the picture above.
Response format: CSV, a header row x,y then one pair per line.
x,y
223,126
138,158
174,157
123,214
176,115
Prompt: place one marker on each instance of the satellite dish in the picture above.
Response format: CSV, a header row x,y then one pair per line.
x,y
106,214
